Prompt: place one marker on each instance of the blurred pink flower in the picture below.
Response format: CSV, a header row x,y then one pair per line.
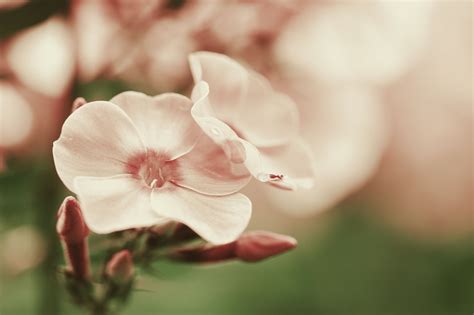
x,y
139,161
42,57
345,127
36,72
144,42
254,124
425,182
147,42
16,119
23,248
258,22
372,42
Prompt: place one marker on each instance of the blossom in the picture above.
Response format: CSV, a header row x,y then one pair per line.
x,y
36,72
255,125
386,40
425,185
17,117
346,129
42,57
138,161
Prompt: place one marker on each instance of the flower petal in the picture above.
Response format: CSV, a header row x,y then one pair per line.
x,y
203,114
164,121
96,140
17,118
274,165
115,203
42,57
218,220
207,170
266,118
245,100
287,167
227,78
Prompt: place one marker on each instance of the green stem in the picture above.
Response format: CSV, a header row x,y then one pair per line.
x,y
46,204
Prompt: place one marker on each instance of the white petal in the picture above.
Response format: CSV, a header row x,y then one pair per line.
x,y
245,100
42,57
203,114
265,164
236,149
115,203
96,33
227,79
206,169
288,167
16,116
266,118
164,121
218,220
96,140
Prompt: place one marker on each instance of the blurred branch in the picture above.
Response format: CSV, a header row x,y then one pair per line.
x,y
33,12
47,199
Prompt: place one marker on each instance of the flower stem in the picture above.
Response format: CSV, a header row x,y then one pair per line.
x,y
46,201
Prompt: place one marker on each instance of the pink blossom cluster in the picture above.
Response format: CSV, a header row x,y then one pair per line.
x,y
137,161
370,80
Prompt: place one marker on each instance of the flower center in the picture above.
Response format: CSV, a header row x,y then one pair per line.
x,y
154,168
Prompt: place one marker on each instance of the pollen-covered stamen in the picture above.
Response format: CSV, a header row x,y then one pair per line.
x,y
155,169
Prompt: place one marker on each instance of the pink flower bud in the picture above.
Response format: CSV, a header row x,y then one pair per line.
x,y
250,247
205,254
120,267
78,102
73,232
257,245
70,225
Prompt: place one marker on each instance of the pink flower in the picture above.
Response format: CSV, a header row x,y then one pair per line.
x,y
36,73
42,57
254,124
138,161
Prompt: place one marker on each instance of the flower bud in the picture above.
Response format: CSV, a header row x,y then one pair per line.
x,y
250,247
78,102
258,245
205,254
70,225
73,232
120,267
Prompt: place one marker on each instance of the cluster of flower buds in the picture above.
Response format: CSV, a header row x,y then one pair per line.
x,y
174,241
118,275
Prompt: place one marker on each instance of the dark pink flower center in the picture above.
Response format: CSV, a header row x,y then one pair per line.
x,y
155,169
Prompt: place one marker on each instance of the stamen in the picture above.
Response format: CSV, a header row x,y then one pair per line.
x,y
153,168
